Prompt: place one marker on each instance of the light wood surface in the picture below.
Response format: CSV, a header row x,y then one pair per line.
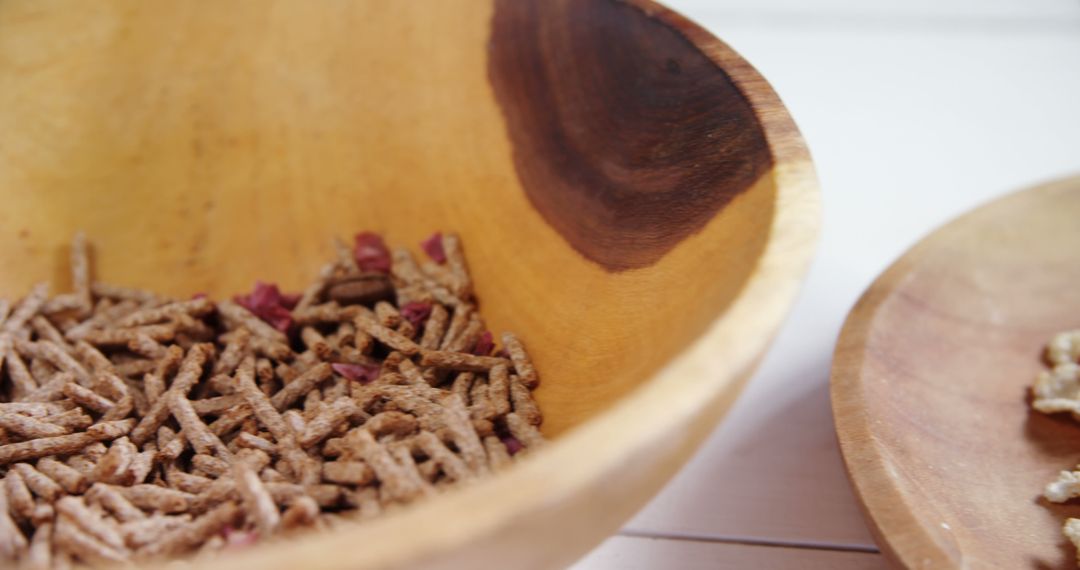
x,y
640,553
930,383
204,146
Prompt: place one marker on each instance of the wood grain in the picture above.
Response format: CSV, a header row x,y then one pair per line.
x,y
930,385
204,145
626,137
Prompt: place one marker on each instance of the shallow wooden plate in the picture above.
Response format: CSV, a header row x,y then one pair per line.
x,y
930,380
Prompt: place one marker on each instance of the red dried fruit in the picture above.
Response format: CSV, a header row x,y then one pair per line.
x,y
433,247
361,373
371,253
268,303
416,312
512,444
484,344
236,538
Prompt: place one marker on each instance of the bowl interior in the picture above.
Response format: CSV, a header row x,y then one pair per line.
x,y
610,183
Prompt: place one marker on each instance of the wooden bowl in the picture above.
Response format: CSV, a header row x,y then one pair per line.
x,y
930,388
633,198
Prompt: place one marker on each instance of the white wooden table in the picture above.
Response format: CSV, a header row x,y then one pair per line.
x,y
915,111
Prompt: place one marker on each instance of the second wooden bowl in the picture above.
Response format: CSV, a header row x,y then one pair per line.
x,y
633,198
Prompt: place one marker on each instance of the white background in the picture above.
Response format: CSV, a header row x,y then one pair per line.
x,y
914,111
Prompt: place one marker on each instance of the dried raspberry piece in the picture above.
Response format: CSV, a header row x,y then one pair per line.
x,y
236,538
416,312
268,303
512,444
361,373
484,344
371,253
433,246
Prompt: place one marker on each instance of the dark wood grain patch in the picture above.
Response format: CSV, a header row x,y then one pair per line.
x,y
627,138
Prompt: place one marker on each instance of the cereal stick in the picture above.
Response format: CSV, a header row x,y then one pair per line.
x,y
101,528
303,512
26,309
459,361
134,368
394,481
468,336
41,369
463,434
144,345
87,398
5,309
498,457
71,538
188,482
113,466
499,390
391,422
412,373
34,409
189,374
29,427
202,528
12,540
142,532
523,431
67,477
524,405
236,316
315,290
36,481
39,556
451,465
19,499
480,407
434,327
231,419
80,271
217,405
21,380
410,470
387,315
455,261
53,354
93,358
152,497
45,330
522,363
463,384
251,441
53,389
367,502
387,336
61,445
210,465
301,385
347,472
100,289
458,322
143,463
148,316
257,501
113,501
332,416
271,349
74,419
295,420
121,337
196,432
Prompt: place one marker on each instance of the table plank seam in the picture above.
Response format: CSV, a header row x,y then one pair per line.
x,y
750,541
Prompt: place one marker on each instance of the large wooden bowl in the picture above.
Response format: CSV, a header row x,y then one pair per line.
x,y
930,389
633,198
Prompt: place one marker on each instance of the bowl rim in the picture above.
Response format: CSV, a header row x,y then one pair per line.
x,y
713,365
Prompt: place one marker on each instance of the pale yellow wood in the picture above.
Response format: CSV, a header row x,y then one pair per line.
x,y
204,145
930,388
639,553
